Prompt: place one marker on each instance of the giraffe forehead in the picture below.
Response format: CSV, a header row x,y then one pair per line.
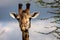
x,y
24,17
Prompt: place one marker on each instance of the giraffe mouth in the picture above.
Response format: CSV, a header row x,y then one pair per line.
x,y
24,27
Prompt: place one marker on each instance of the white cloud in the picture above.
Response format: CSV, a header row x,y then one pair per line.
x,y
12,30
42,26
39,26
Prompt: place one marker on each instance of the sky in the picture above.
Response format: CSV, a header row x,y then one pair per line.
x,y
9,27
7,6
11,30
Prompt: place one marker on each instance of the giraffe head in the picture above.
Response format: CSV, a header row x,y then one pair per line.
x,y
24,17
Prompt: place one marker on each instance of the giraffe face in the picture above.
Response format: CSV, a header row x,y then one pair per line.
x,y
24,17
24,21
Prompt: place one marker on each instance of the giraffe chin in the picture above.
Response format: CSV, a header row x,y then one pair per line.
x,y
23,29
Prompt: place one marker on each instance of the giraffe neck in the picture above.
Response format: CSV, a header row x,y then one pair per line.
x,y
25,35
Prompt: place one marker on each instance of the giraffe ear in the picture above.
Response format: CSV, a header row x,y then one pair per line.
x,y
34,15
13,15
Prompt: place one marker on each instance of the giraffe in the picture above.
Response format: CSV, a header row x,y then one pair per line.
x,y
24,18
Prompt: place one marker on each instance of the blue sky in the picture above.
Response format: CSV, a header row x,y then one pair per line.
x,y
7,6
9,27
